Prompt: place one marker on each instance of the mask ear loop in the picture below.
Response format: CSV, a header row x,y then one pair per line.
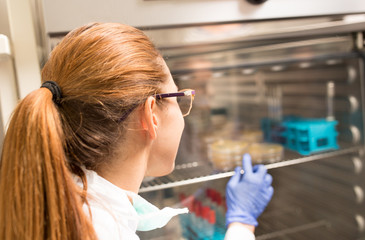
x,y
127,112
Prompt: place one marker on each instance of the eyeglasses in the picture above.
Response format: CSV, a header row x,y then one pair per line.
x,y
184,98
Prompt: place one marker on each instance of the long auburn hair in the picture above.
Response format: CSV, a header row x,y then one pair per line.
x,y
104,71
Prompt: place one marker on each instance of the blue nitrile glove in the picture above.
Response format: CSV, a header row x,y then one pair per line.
x,y
247,195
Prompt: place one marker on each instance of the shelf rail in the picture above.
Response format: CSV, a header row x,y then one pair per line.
x,y
297,229
163,184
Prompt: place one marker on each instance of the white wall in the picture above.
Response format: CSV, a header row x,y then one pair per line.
x,y
8,88
19,64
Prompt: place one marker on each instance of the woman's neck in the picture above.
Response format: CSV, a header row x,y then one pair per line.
x,y
128,166
126,173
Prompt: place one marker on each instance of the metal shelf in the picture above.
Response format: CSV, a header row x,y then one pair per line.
x,y
294,230
191,173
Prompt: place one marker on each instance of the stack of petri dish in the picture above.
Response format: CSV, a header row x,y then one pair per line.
x,y
265,152
226,154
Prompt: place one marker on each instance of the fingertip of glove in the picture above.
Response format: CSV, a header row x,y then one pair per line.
x,y
271,191
247,157
268,179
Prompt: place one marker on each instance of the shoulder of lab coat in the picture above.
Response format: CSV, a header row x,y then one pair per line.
x,y
237,232
107,226
112,214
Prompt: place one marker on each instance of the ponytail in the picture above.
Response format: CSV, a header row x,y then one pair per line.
x,y
38,197
104,70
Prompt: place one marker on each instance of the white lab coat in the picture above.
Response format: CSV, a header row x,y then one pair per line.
x,y
114,217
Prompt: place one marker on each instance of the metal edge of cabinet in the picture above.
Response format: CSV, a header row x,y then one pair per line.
x,y
175,13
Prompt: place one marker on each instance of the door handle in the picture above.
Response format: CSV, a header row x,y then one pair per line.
x,y
5,51
256,1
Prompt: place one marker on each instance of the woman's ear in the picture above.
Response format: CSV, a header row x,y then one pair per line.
x,y
149,117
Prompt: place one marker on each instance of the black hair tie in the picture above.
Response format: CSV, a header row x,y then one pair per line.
x,y
55,90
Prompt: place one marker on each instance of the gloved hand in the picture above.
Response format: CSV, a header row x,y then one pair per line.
x,y
247,195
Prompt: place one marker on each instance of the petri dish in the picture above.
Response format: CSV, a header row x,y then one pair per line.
x,y
226,154
266,152
252,136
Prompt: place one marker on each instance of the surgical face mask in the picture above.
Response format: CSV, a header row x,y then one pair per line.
x,y
149,216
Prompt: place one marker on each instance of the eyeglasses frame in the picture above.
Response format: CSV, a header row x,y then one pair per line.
x,y
184,92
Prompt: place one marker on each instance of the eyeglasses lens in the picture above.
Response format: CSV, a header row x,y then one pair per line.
x,y
184,104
